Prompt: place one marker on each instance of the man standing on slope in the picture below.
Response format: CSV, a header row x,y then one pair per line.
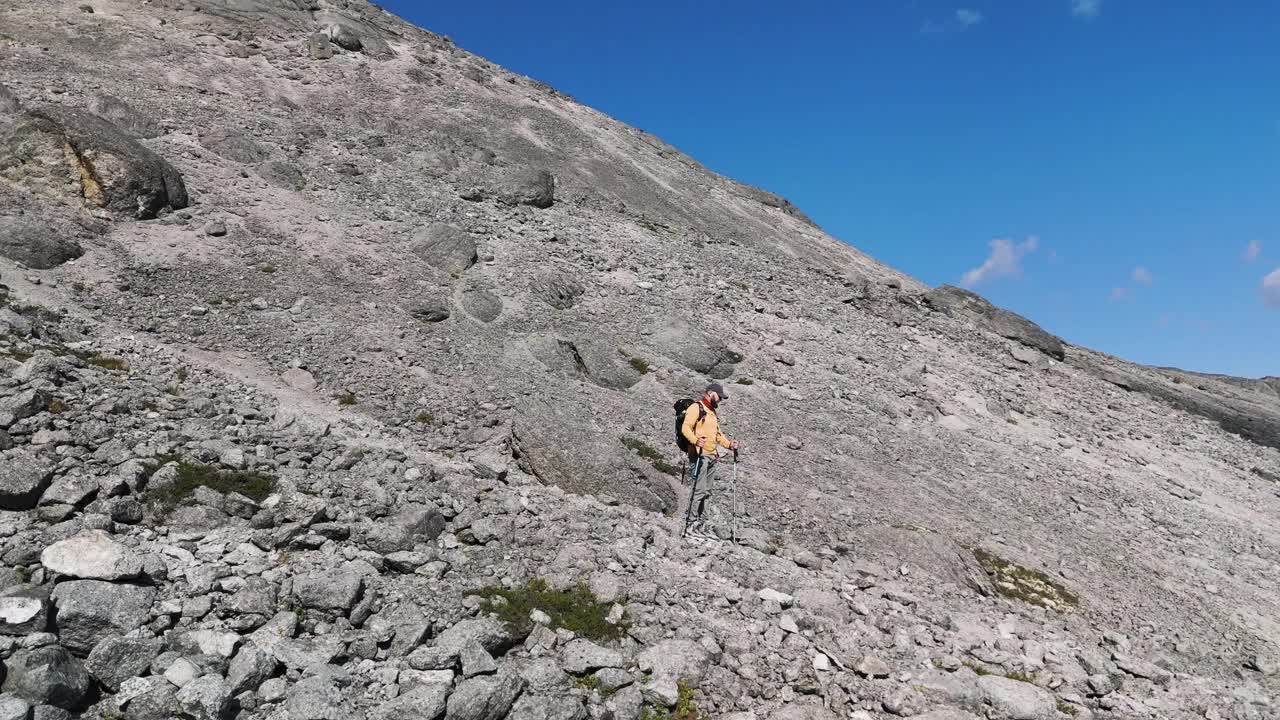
x,y
701,430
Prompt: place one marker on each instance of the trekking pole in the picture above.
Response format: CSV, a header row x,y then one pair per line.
x,y
735,497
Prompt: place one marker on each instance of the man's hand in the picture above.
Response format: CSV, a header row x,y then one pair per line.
x,y
733,445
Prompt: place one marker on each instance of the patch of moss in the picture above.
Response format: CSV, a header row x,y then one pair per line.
x,y
107,362
1030,586
253,485
640,365
1067,708
57,406
654,457
346,397
425,418
577,609
746,381
588,682
268,269
685,709
1021,677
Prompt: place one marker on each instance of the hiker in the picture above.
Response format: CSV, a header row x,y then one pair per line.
x,y
700,430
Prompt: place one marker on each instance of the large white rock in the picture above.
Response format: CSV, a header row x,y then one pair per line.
x,y
1017,700
92,556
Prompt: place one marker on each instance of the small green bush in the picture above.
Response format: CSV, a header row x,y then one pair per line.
x,y
654,457
1025,584
253,485
268,269
107,362
746,381
425,418
640,365
1067,708
685,708
347,398
578,609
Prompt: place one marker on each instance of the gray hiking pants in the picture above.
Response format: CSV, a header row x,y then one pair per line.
x,y
703,473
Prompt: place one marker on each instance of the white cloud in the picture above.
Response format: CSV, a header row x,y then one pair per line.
x,y
1087,9
963,19
1142,276
1271,289
1118,294
1005,259
1252,250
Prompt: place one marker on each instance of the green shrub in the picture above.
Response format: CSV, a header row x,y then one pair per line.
x,y
685,708
654,457
640,365
107,362
578,609
424,418
745,381
253,485
346,397
1025,584
268,268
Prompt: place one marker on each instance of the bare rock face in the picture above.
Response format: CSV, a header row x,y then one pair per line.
x,y
233,145
47,676
958,302
123,115
60,152
92,556
568,449
38,245
25,478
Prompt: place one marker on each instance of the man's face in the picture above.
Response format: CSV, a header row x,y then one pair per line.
x,y
713,398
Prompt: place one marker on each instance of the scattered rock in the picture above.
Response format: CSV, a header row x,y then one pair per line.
x,y
92,556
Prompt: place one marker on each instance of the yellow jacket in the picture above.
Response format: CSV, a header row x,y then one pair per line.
x,y
709,427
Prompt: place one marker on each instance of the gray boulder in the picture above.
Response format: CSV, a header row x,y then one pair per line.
x,y
544,707
525,186
47,676
35,243
491,634
582,656
316,698
319,47
696,350
485,697
426,701
1017,700
233,145
482,305
334,591
9,102
676,660
206,698
24,480
92,556
445,248
117,659
282,175
20,614
249,669
13,707
23,405
90,610
957,302
596,359
106,167
431,310
123,116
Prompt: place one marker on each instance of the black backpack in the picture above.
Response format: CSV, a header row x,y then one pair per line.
x,y
681,407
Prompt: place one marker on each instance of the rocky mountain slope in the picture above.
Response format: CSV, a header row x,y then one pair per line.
x,y
333,358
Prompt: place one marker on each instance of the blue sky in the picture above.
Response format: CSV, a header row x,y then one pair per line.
x,y
1108,168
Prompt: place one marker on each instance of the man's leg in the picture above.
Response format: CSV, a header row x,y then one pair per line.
x,y
703,492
